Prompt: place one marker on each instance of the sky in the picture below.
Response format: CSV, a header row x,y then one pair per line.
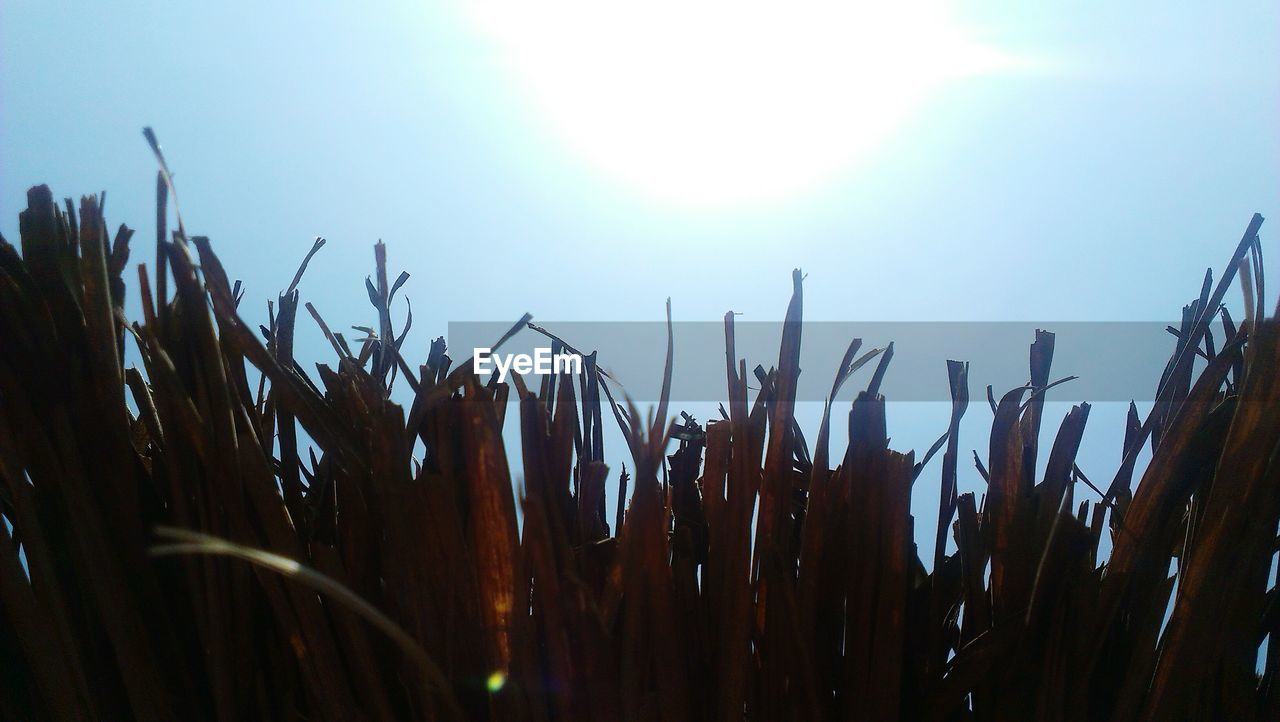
x,y
969,161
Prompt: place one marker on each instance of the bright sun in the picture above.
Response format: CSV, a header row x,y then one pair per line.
x,y
719,103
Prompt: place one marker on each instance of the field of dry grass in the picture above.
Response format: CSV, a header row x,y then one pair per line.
x,y
171,551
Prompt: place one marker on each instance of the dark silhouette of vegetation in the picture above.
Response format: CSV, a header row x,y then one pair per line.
x,y
171,551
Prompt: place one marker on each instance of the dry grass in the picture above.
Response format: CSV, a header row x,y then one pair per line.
x,y
176,562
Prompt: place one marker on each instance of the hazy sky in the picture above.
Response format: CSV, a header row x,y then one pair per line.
x,y
966,161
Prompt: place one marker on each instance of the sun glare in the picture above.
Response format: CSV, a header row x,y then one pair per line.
x,y
713,103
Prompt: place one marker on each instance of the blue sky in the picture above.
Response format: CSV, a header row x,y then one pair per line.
x,y
1093,179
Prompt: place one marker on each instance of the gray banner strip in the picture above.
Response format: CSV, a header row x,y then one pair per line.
x,y
1115,361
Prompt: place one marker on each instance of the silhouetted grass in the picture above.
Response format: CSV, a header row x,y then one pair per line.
x,y
181,557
